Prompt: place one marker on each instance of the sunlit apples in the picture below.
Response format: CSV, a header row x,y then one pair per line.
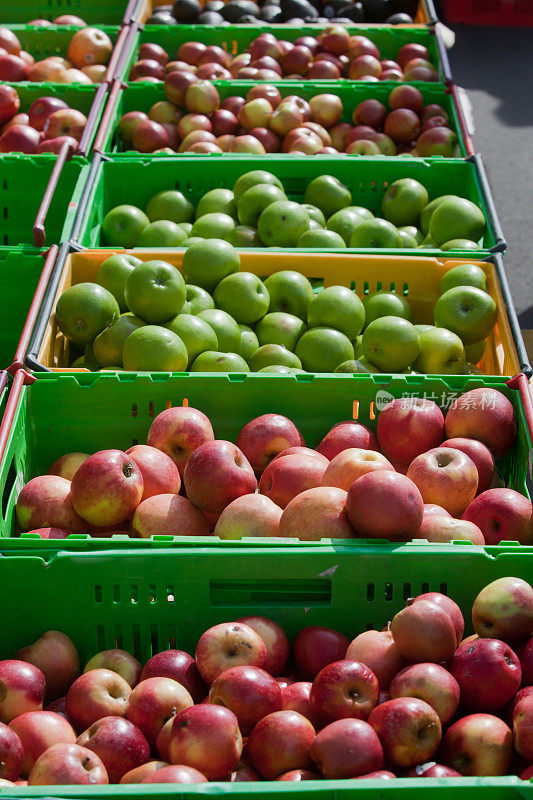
x,y
47,125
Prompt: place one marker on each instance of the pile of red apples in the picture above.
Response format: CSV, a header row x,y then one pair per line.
x,y
332,55
421,477
415,699
88,53
195,119
48,124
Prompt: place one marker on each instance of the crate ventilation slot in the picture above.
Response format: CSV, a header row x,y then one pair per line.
x,y
303,593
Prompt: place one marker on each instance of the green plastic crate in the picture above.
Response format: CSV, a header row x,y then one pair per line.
x,y
42,42
93,12
57,414
19,275
116,180
23,181
142,96
149,602
236,38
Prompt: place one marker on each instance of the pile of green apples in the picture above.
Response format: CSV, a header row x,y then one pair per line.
x,y
256,212
212,317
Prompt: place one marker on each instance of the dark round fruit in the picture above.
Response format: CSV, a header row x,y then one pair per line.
x,y
186,11
353,11
214,5
161,18
329,12
234,9
248,19
399,19
211,18
270,13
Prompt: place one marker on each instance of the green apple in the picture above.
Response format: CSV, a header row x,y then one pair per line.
x,y
207,262
186,307
321,238
197,298
467,311
195,333
464,275
357,344
406,239
423,328
155,292
460,244
375,233
413,231
337,307
282,223
280,328
243,236
187,227
212,361
252,178
244,296
249,342
154,349
107,347
456,218
404,201
277,369
269,355
356,366
345,221
391,343
171,205
475,352
427,213
313,224
323,349
315,214
289,291
162,233
112,274
213,226
123,225
90,358
328,194
254,201
385,304
441,353
225,327
217,201
192,240
84,310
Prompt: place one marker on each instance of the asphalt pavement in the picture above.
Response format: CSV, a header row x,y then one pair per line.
x,y
495,66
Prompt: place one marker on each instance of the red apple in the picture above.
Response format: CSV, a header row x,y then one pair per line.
x,y
405,430
409,730
176,86
107,488
433,110
445,476
317,513
275,641
178,431
344,435
402,125
347,748
233,104
179,666
484,414
229,644
22,689
326,109
265,437
451,608
478,745
364,65
433,510
57,658
9,103
68,764
266,91
11,754
249,692
523,728
191,52
216,473
286,477
351,464
410,51
418,69
13,68
488,673
206,737
525,656
195,137
437,141
153,51
338,135
168,515
175,773
40,110
385,505
370,112
316,647
65,122
480,455
244,773
127,124
153,702
119,661
96,694
297,697
424,631
297,775
432,770
119,743
249,515
160,473
504,610
323,70
89,46
149,136
379,652
224,121
502,515
297,60
431,683
343,690
247,144
280,742
138,774
202,98
285,117
39,730
9,41
19,139
267,138
406,96
361,45
444,529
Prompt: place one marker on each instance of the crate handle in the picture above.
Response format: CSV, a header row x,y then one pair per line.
x,y
11,406
50,259
125,48
88,192
99,100
39,232
116,54
110,108
300,592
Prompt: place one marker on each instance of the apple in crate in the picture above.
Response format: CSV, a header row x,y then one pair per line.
x,y
275,640
431,683
216,473
265,437
502,515
23,687
344,689
175,774
119,743
408,427
484,414
107,488
478,744
488,673
315,647
178,431
119,661
229,644
347,748
378,650
281,742
96,694
249,692
249,515
297,697
445,476
160,473
504,610
57,658
68,764
66,466
39,730
207,738
153,702
179,666
11,754
45,502
409,730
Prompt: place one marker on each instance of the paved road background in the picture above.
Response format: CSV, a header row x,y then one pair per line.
x,y
495,66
